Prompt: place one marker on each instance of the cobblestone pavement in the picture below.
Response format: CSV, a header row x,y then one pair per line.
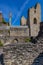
x,y
21,53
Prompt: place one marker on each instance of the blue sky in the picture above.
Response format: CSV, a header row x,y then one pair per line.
x,y
18,8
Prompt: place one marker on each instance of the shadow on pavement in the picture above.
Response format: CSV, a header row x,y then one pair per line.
x,y
38,60
2,59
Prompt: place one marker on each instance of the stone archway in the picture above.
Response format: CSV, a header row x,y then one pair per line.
x,y
35,21
15,40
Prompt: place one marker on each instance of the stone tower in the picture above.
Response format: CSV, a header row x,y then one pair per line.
x,y
23,21
34,20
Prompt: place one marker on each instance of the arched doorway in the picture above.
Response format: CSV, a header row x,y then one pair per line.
x,y
15,40
35,21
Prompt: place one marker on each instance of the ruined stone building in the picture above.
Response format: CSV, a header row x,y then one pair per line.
x,y
23,53
29,27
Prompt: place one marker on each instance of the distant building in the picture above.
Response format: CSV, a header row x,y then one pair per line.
x,y
29,27
23,21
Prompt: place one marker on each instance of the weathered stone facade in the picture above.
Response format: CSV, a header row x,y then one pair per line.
x,y
23,21
23,53
20,32
34,20
11,34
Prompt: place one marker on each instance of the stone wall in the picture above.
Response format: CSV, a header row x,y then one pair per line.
x,y
19,31
4,31
10,34
14,31
34,20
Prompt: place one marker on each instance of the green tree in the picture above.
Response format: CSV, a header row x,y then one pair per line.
x,y
27,40
4,22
